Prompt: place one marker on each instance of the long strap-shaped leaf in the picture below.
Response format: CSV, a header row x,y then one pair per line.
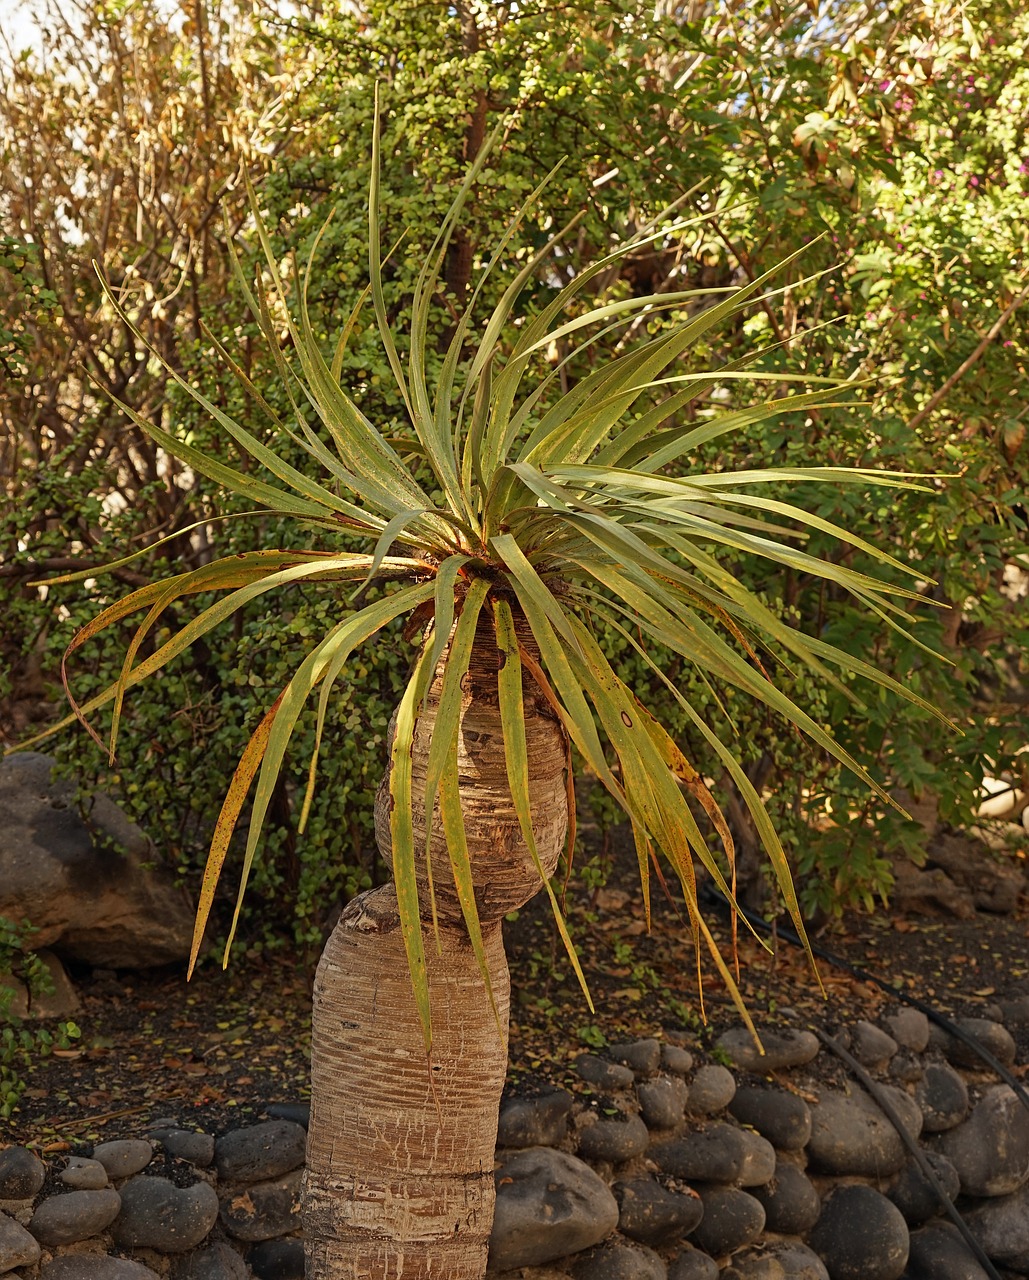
x,y
330,568
512,719
763,823
335,648
441,773
401,827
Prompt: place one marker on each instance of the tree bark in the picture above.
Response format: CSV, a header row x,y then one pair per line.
x,y
395,1188
399,1181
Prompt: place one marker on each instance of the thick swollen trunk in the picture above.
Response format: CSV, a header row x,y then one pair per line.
x,y
394,1187
399,1179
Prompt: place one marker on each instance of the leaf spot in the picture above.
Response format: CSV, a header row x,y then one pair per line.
x,y
626,719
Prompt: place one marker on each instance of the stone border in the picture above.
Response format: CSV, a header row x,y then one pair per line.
x,y
668,1165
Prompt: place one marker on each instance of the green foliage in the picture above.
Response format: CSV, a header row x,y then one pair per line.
x,y
21,1043
902,141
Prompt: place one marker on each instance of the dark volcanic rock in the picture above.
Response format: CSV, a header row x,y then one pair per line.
x,y
731,1219
278,1260
711,1090
916,1197
124,1157
662,1102
17,1247
264,1210
778,1115
619,1261
691,1264
993,1036
654,1214
942,1096
548,1205
604,1074
261,1151
782,1049
642,1056
1002,1228
535,1122
614,1140
712,1154
105,901
938,1252
156,1214
850,1135
22,1174
990,1150
861,1236
77,1215
790,1201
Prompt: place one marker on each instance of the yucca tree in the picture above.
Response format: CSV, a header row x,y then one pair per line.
x,y
558,515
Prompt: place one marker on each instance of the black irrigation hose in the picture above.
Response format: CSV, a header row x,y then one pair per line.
x,y
838,962
884,1104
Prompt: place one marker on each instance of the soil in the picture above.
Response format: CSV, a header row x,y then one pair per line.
x,y
215,1052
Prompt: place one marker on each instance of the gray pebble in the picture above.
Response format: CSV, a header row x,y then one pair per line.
x,y
780,1116
195,1148
278,1260
549,1205
619,1261
910,1028
124,1157
535,1122
782,1049
655,1214
17,1247
916,1197
994,1037
906,1067
676,1059
265,1210
860,1235
614,1140
758,1160
990,1150
1001,1226
156,1214
298,1112
790,1201
872,1047
798,1261
691,1264
754,1264
84,1175
731,1219
662,1102
603,1074
22,1174
712,1154
96,1266
1014,1013
942,1096
74,1216
711,1090
261,1151
217,1262
642,1056
939,1252
850,1135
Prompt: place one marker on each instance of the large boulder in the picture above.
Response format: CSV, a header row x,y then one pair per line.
x,y
92,883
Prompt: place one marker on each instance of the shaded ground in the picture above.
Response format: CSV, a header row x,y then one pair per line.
x,y
216,1051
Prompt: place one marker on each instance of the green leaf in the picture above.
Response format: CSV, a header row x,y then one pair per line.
x,y
512,718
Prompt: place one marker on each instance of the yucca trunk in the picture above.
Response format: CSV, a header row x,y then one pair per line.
x,y
399,1176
